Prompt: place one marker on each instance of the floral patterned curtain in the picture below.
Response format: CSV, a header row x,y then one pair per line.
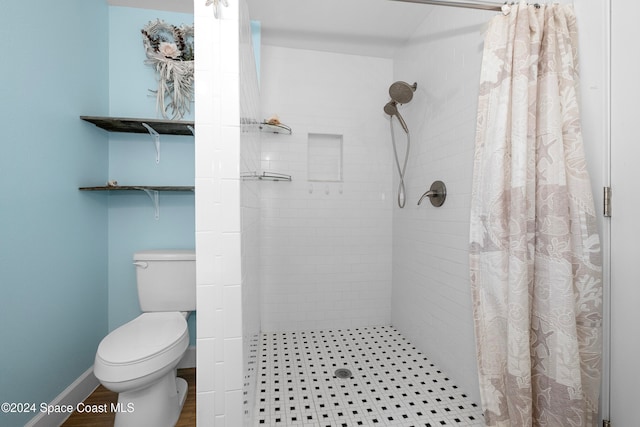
x,y
535,251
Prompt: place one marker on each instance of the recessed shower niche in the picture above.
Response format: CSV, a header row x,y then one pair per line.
x,y
324,157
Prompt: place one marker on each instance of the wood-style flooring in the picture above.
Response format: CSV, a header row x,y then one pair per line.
x,y
101,396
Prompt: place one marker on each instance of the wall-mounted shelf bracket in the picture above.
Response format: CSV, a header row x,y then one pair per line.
x,y
156,140
155,199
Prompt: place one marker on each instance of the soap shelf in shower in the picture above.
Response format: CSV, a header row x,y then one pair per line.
x,y
275,128
266,176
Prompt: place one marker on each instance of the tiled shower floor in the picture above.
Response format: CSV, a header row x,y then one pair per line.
x,y
393,384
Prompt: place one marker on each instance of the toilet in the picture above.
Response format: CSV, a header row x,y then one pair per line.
x,y
138,360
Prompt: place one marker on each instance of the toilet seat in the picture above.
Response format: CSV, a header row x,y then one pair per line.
x,y
141,347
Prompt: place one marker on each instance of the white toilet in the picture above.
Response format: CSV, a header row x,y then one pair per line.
x,y
138,360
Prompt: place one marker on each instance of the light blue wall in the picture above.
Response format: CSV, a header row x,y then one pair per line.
x,y
132,226
256,40
65,271
53,238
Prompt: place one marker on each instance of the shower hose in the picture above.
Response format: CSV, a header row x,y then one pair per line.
x,y
401,170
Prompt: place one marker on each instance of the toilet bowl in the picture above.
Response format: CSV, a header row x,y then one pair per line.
x,y
138,360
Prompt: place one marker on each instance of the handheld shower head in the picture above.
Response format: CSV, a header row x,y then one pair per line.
x,y
402,92
391,108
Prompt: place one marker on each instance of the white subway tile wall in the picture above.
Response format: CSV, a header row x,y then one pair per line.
x,y
227,216
248,295
326,245
431,303
310,255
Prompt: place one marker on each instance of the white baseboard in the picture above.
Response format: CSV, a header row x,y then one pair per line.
x,y
77,392
83,386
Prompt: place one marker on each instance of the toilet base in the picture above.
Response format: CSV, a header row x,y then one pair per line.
x,y
158,405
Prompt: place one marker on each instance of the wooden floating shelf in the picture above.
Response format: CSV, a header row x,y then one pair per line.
x,y
138,188
150,190
131,125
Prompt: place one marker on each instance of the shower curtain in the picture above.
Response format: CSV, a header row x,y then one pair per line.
x,y
534,248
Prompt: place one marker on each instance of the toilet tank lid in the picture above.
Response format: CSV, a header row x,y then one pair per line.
x,y
165,255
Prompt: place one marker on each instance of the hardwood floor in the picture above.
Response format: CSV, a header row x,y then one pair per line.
x,y
101,396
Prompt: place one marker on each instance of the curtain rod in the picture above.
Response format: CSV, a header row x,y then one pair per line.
x,y
465,4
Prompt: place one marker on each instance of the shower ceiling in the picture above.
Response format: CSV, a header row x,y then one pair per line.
x,y
359,27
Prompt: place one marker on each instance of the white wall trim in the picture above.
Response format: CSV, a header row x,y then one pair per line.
x,y
83,386
77,392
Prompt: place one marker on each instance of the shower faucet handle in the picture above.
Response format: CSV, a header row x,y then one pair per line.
x,y
437,193
429,193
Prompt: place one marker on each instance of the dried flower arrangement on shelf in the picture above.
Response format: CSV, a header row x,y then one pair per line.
x,y
169,50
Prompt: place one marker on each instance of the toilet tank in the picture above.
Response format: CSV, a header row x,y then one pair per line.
x,y
166,279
